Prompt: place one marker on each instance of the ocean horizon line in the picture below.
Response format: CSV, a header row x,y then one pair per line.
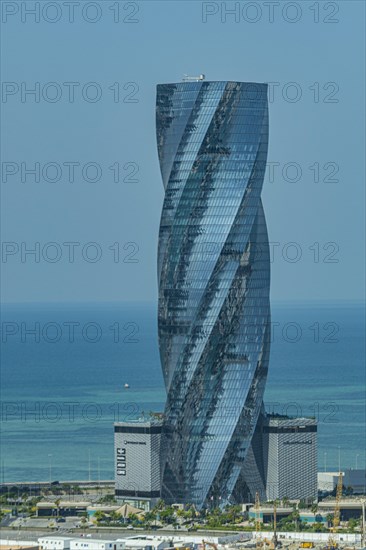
x,y
63,303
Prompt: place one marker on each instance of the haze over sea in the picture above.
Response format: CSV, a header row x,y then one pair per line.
x,y
62,387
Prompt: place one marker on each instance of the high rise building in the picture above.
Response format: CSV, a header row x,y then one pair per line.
x,y
290,456
214,277
137,461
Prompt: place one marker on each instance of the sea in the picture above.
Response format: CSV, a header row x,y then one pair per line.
x,y
65,370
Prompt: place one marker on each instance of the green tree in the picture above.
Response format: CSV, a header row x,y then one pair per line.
x,y
159,506
318,527
115,516
149,517
100,516
107,499
168,515
330,518
57,502
133,518
352,523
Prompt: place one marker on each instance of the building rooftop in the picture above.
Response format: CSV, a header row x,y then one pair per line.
x,y
54,537
293,421
143,422
64,504
343,503
269,509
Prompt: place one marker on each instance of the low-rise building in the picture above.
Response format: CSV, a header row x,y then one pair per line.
x,y
266,513
145,543
355,480
63,508
70,543
327,481
54,543
309,517
348,507
96,544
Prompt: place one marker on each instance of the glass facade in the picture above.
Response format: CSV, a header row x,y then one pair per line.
x,y
214,277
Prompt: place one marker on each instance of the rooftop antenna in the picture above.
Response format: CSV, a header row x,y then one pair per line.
x,y
187,78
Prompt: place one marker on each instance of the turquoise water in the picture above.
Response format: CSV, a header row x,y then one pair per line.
x,y
62,387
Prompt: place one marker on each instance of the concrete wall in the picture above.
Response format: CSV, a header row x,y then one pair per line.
x,y
352,538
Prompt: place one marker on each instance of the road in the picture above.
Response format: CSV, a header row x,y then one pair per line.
x,y
105,533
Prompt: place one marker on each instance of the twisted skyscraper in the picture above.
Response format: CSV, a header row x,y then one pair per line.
x,y
214,276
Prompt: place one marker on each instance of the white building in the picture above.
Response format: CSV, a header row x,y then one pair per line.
x,y
327,481
151,542
54,543
96,544
137,462
145,543
70,543
290,451
323,538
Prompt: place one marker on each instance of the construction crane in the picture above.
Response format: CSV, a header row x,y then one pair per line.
x,y
332,543
275,541
257,520
363,536
259,542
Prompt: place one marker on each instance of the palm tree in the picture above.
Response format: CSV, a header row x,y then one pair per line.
x,y
57,502
99,516
330,518
115,516
83,522
295,517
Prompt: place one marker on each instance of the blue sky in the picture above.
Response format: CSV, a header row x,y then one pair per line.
x,y
314,203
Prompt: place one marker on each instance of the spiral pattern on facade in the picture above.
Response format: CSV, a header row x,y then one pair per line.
x,y
214,278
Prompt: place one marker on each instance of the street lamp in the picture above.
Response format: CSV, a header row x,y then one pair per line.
x,y
99,485
50,466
